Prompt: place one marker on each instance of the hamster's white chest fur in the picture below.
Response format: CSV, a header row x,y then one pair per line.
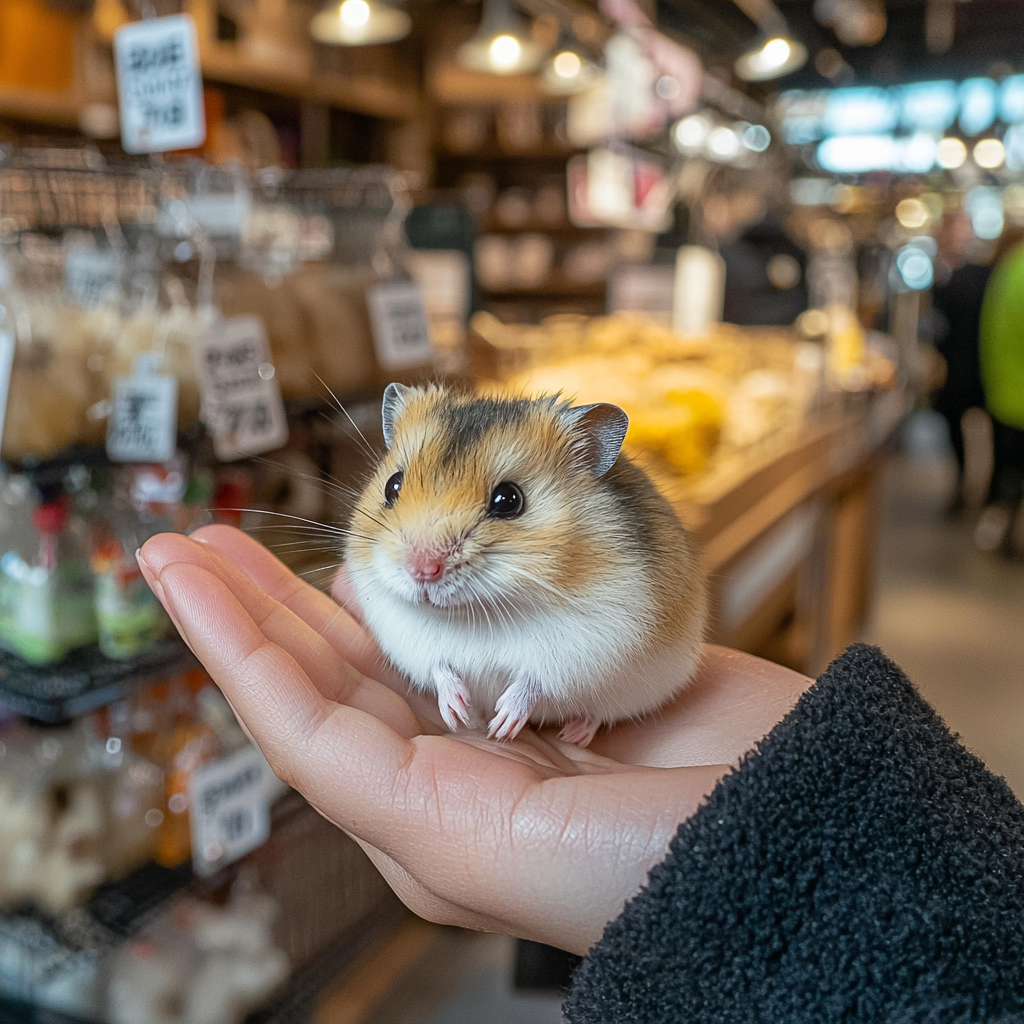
x,y
582,665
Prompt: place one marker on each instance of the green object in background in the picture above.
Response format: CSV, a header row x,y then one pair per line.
x,y
46,613
1002,341
130,617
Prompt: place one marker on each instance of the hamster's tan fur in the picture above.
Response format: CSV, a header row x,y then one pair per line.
x,y
588,608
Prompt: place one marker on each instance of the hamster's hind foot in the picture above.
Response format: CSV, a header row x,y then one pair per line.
x,y
452,698
579,731
512,710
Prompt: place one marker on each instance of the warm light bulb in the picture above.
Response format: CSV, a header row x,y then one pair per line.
x,y
912,213
723,143
691,132
774,54
567,64
505,52
989,154
951,153
354,13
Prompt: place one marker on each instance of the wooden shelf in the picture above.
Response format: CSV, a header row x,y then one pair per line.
x,y
450,83
555,287
57,109
363,94
551,151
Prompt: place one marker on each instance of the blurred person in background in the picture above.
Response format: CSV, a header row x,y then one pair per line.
x,y
1002,372
957,298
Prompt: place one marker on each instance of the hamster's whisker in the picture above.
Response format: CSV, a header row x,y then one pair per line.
x,y
284,515
327,482
383,526
320,568
345,413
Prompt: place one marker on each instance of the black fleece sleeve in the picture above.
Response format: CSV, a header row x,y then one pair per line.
x,y
860,865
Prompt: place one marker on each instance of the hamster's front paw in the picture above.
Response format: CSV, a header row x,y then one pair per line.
x,y
452,698
512,710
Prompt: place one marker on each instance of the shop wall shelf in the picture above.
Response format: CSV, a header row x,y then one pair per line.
x,y
84,680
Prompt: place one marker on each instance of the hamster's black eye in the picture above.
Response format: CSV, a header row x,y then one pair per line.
x,y
391,489
506,501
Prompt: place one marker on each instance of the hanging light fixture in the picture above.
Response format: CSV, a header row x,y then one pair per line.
x,y
567,73
501,45
359,23
777,57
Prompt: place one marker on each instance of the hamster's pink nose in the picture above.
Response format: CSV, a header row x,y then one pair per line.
x,y
424,566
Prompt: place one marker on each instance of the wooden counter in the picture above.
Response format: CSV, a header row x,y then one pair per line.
x,y
788,529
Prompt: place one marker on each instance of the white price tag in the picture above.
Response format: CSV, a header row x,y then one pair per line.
x,y
143,423
398,320
90,276
224,215
241,396
229,808
6,368
159,85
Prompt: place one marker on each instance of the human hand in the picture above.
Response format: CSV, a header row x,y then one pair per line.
x,y
534,838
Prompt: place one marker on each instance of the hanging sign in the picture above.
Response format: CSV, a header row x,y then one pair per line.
x,y
229,808
6,369
241,395
159,85
398,320
90,276
143,422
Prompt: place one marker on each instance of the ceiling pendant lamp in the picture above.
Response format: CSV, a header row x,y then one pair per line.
x,y
775,58
568,73
501,45
359,23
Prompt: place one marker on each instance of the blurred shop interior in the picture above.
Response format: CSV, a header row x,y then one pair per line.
x,y
784,235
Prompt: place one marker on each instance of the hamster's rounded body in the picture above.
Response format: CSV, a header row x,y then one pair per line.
x,y
585,605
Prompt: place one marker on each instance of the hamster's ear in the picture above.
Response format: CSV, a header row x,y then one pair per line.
x,y
602,428
396,398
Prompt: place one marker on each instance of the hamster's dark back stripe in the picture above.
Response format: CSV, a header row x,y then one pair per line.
x,y
465,423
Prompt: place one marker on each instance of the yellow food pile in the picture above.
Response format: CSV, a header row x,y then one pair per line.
x,y
686,398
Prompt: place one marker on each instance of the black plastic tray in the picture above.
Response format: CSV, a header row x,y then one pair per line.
x,y
84,680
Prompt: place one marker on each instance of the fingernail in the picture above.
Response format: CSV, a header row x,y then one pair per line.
x,y
157,587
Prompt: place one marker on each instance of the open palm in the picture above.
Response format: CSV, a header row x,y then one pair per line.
x,y
534,838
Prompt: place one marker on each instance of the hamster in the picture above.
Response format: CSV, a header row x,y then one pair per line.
x,y
509,559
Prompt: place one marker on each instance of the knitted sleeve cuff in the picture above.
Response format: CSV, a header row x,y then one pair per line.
x,y
860,864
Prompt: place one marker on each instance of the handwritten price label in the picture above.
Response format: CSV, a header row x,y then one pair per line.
x,y
229,808
241,396
144,420
398,319
90,276
159,85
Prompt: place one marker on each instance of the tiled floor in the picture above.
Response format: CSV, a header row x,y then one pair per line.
x,y
951,616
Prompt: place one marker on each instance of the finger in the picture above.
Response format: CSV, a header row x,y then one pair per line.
x,y
344,633
322,664
335,624
345,594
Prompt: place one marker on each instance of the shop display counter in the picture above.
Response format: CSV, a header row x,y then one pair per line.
x,y
788,531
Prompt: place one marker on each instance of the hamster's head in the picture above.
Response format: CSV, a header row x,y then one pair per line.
x,y
492,504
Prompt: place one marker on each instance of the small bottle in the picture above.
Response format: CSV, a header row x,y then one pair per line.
x,y
51,593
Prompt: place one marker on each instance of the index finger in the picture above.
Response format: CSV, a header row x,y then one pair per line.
x,y
332,622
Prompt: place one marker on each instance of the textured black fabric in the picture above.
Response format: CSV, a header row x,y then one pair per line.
x,y
860,865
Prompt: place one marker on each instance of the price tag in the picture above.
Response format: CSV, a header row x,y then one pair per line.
x,y
159,85
241,395
144,419
398,320
229,808
6,368
90,276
